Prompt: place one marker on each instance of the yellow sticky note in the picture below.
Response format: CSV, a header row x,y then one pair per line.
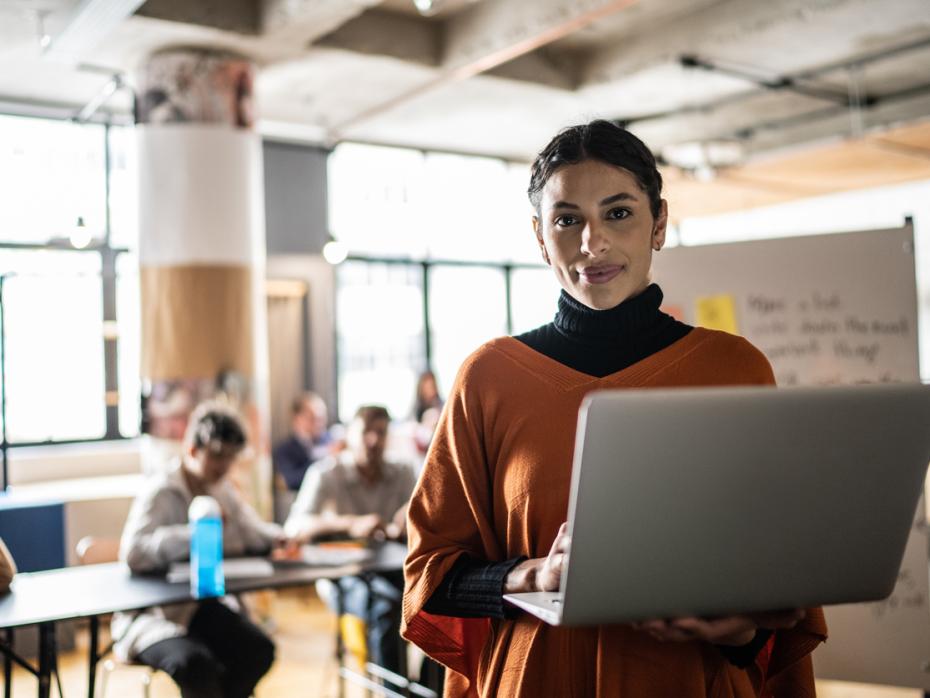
x,y
717,313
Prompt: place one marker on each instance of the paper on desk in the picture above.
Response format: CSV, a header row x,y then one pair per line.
x,y
332,555
233,568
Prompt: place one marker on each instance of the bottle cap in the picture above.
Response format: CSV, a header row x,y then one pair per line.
x,y
203,507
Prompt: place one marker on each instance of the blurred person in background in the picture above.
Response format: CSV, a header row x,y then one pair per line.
x,y
209,648
357,494
426,409
309,441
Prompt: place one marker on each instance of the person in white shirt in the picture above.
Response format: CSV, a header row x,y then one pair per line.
x,y
359,494
209,648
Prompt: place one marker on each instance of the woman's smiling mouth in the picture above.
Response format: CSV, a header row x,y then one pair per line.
x,y
600,274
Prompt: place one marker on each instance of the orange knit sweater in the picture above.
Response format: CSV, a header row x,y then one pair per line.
x,y
496,486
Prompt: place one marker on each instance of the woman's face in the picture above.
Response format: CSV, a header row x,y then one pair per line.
x,y
597,232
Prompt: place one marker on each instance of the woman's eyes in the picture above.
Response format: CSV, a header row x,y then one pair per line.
x,y
566,221
615,214
619,213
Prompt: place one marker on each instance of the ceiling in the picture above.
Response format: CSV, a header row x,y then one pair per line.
x,y
757,101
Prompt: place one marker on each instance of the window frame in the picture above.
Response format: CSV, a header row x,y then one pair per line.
x,y
425,265
108,258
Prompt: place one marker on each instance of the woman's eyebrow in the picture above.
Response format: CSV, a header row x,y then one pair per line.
x,y
565,204
622,196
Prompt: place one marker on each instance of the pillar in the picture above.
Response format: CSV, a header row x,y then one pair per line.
x,y
201,251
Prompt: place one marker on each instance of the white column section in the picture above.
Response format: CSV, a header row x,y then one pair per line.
x,y
201,198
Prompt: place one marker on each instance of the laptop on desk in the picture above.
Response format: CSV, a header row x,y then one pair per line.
x,y
716,501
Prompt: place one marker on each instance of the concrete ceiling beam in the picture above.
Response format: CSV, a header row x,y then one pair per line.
x,y
780,36
542,67
839,124
304,21
380,33
490,34
240,16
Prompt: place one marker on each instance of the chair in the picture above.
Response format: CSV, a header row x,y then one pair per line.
x,y
352,641
94,550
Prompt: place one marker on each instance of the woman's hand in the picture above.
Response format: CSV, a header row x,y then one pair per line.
x,y
729,630
541,573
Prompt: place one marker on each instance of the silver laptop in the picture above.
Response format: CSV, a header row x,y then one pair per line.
x,y
716,501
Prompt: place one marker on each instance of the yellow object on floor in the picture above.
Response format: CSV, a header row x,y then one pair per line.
x,y
354,632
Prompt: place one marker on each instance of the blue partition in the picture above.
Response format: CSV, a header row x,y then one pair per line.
x,y
34,532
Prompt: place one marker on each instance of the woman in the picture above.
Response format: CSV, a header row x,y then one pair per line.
x,y
210,649
487,515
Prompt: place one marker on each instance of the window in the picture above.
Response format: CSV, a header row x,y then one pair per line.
x,y
51,173
376,200
128,334
54,358
466,222
379,329
467,307
124,187
534,298
58,332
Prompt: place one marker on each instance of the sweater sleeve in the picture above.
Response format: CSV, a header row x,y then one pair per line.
x,y
473,589
450,516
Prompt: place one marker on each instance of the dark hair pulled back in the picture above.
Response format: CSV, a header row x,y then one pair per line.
x,y
598,140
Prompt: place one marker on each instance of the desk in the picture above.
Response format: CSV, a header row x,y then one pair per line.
x,y
44,598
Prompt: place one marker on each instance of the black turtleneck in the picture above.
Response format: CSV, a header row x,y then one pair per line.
x,y
601,342
598,343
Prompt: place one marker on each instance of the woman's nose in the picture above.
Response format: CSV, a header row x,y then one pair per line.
x,y
594,241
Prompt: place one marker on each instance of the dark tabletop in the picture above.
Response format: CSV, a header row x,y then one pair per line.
x,y
92,590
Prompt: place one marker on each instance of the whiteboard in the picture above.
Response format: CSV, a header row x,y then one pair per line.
x,y
826,309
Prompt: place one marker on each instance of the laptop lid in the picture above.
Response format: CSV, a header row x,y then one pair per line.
x,y
721,500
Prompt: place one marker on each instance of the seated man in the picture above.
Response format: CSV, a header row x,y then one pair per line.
x,y
309,440
358,494
209,648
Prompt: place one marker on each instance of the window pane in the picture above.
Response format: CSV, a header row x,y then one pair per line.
x,y
124,187
379,318
399,202
518,242
375,200
54,344
127,343
468,306
51,172
534,295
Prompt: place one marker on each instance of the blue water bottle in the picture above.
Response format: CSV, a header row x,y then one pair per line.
x,y
206,548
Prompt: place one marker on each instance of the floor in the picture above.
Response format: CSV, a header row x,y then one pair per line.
x,y
303,631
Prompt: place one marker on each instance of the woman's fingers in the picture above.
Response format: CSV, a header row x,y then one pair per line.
x,y
562,540
731,630
779,620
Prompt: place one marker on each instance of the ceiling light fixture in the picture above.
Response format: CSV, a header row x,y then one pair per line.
x,y
427,7
80,236
87,25
335,252
44,37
